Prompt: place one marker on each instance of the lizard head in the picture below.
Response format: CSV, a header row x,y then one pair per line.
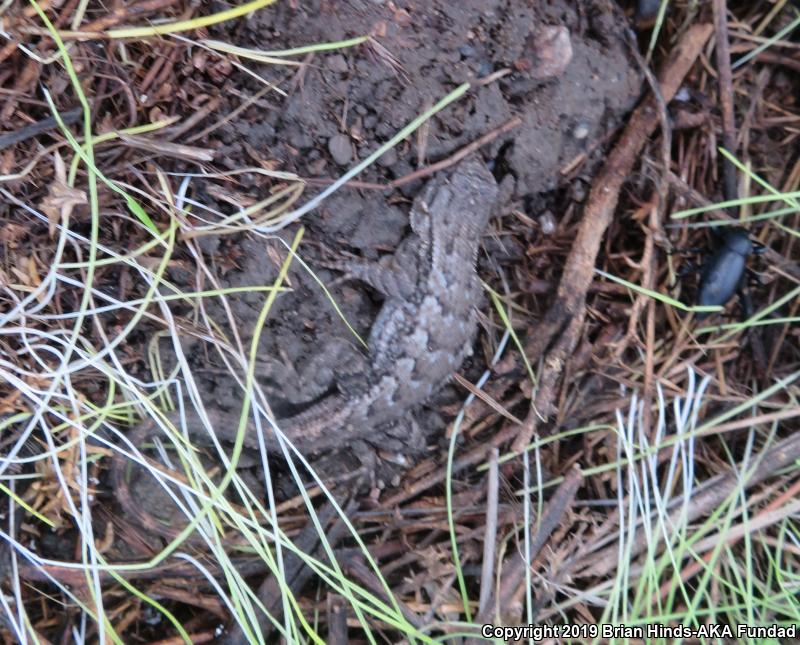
x,y
463,197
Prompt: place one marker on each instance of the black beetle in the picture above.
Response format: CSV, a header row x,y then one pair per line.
x,y
723,274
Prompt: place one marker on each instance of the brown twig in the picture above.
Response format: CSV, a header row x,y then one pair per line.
x,y
655,219
774,58
296,573
337,620
452,160
494,76
514,570
8,139
356,568
76,578
154,70
209,107
775,510
126,13
486,398
702,502
472,458
563,322
725,82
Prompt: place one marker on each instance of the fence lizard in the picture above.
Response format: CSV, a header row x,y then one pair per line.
x,y
425,327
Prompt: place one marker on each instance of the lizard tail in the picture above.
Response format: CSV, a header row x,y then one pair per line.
x,y
324,425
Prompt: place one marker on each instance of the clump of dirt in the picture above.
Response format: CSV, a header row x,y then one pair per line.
x,y
568,77
434,47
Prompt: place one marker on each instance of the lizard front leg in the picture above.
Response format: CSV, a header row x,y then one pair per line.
x,y
393,276
338,363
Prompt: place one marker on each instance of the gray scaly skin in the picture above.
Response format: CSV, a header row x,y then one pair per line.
x,y
425,328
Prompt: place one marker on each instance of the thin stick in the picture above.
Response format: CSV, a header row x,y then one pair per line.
x,y
725,81
558,506
562,325
702,502
490,535
452,160
8,139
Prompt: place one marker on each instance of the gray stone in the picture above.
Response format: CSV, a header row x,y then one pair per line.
x,y
340,149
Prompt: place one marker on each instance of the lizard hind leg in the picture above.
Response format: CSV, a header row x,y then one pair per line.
x,y
402,436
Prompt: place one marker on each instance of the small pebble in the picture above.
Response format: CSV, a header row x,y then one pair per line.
x,y
548,223
388,159
337,63
581,131
553,49
209,244
300,140
683,95
340,149
315,167
578,191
